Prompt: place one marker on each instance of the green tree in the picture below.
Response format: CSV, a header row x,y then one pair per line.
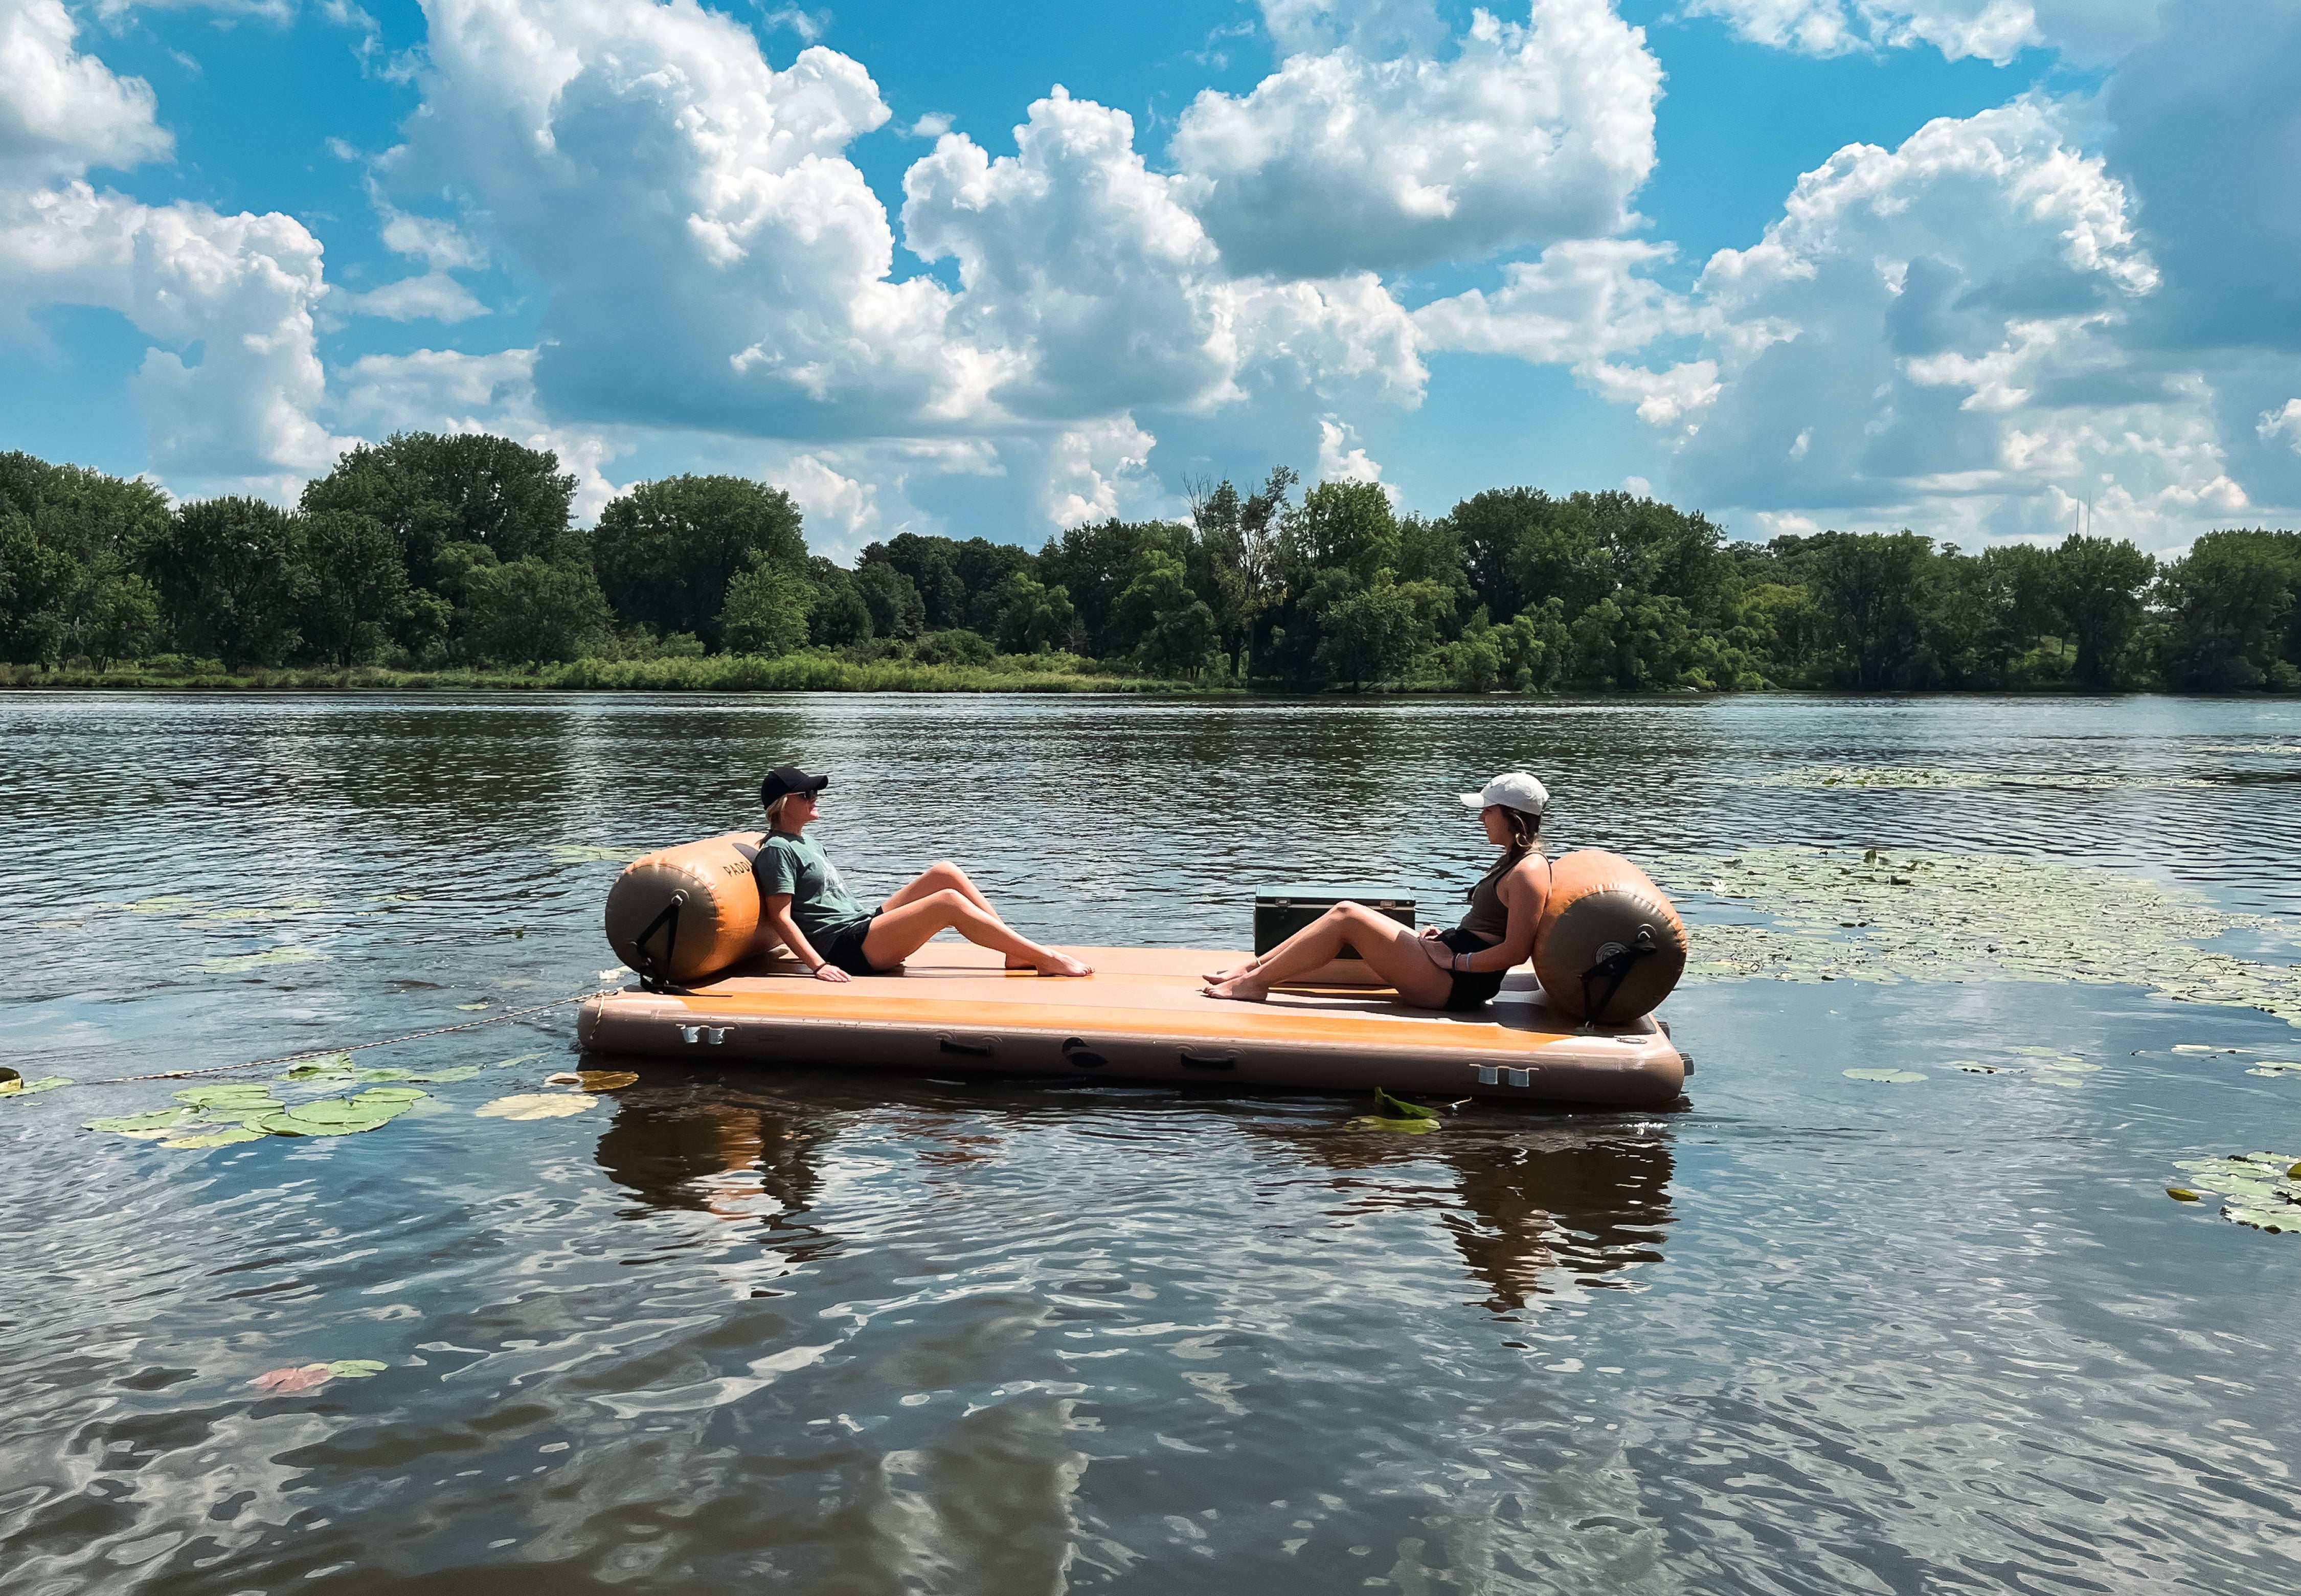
x,y
931,564
1346,526
1871,587
665,551
839,616
1371,631
2097,586
531,611
72,544
233,581
1034,618
1239,538
431,489
2233,612
1095,565
896,609
767,608
1172,629
357,590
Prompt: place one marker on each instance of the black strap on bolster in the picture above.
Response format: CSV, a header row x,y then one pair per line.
x,y
655,974
1613,970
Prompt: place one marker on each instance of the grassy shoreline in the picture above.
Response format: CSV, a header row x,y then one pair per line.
x,y
717,673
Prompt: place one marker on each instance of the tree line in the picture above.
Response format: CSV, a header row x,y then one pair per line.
x,y
429,551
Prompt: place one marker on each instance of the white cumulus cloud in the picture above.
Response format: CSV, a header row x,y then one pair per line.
x,y
62,110
1530,133
1941,331
232,381
1993,30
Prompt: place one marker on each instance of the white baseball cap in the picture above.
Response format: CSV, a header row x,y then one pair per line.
x,y
1514,790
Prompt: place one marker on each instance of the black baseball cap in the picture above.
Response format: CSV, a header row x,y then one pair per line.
x,y
787,779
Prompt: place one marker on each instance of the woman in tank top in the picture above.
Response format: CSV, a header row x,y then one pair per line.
x,y
1432,968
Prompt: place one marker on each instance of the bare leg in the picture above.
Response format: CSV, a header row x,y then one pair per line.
x,y
1396,953
902,931
940,876
1218,977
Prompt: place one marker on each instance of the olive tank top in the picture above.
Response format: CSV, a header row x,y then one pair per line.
x,y
1489,916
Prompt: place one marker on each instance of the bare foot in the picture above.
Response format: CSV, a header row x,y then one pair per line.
x,y
1063,963
1217,977
1240,988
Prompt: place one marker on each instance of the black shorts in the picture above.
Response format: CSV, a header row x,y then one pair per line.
x,y
844,947
1472,988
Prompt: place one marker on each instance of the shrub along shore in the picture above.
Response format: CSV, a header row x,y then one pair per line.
x,y
453,562
808,671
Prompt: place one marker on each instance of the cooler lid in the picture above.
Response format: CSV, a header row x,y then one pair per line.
x,y
1368,892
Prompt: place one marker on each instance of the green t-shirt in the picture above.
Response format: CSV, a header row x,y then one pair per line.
x,y
821,903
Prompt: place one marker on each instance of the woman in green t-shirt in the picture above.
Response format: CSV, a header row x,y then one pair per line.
x,y
804,902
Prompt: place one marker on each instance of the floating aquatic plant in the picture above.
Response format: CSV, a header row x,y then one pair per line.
x,y
2262,1190
2275,1069
1395,1114
1890,915
311,1376
535,1105
568,853
13,1084
1887,1077
241,963
224,1115
592,1079
1926,776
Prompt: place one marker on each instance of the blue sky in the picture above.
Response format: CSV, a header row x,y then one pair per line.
x,y
1959,266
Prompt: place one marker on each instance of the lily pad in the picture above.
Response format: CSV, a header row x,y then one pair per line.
x,y
16,1086
313,1069
241,963
220,1096
606,1080
2274,1069
1404,1127
390,1094
505,1063
2262,1190
535,1105
148,1126
357,1368
224,1137
332,1117
2284,1220
568,853
1890,1077
472,1007
303,1377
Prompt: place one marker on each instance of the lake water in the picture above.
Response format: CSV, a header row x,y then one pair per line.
x,y
751,1329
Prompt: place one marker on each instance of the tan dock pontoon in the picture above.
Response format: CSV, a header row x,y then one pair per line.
x,y
1139,1017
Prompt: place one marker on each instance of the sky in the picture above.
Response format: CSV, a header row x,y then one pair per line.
x,y
1990,270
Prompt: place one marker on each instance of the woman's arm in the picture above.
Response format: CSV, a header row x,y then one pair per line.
x,y
1524,890
775,909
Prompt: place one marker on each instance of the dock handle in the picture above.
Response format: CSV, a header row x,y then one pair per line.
x,y
655,973
1209,1061
980,1050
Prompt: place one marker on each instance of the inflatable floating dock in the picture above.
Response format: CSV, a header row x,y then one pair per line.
x,y
1139,1017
